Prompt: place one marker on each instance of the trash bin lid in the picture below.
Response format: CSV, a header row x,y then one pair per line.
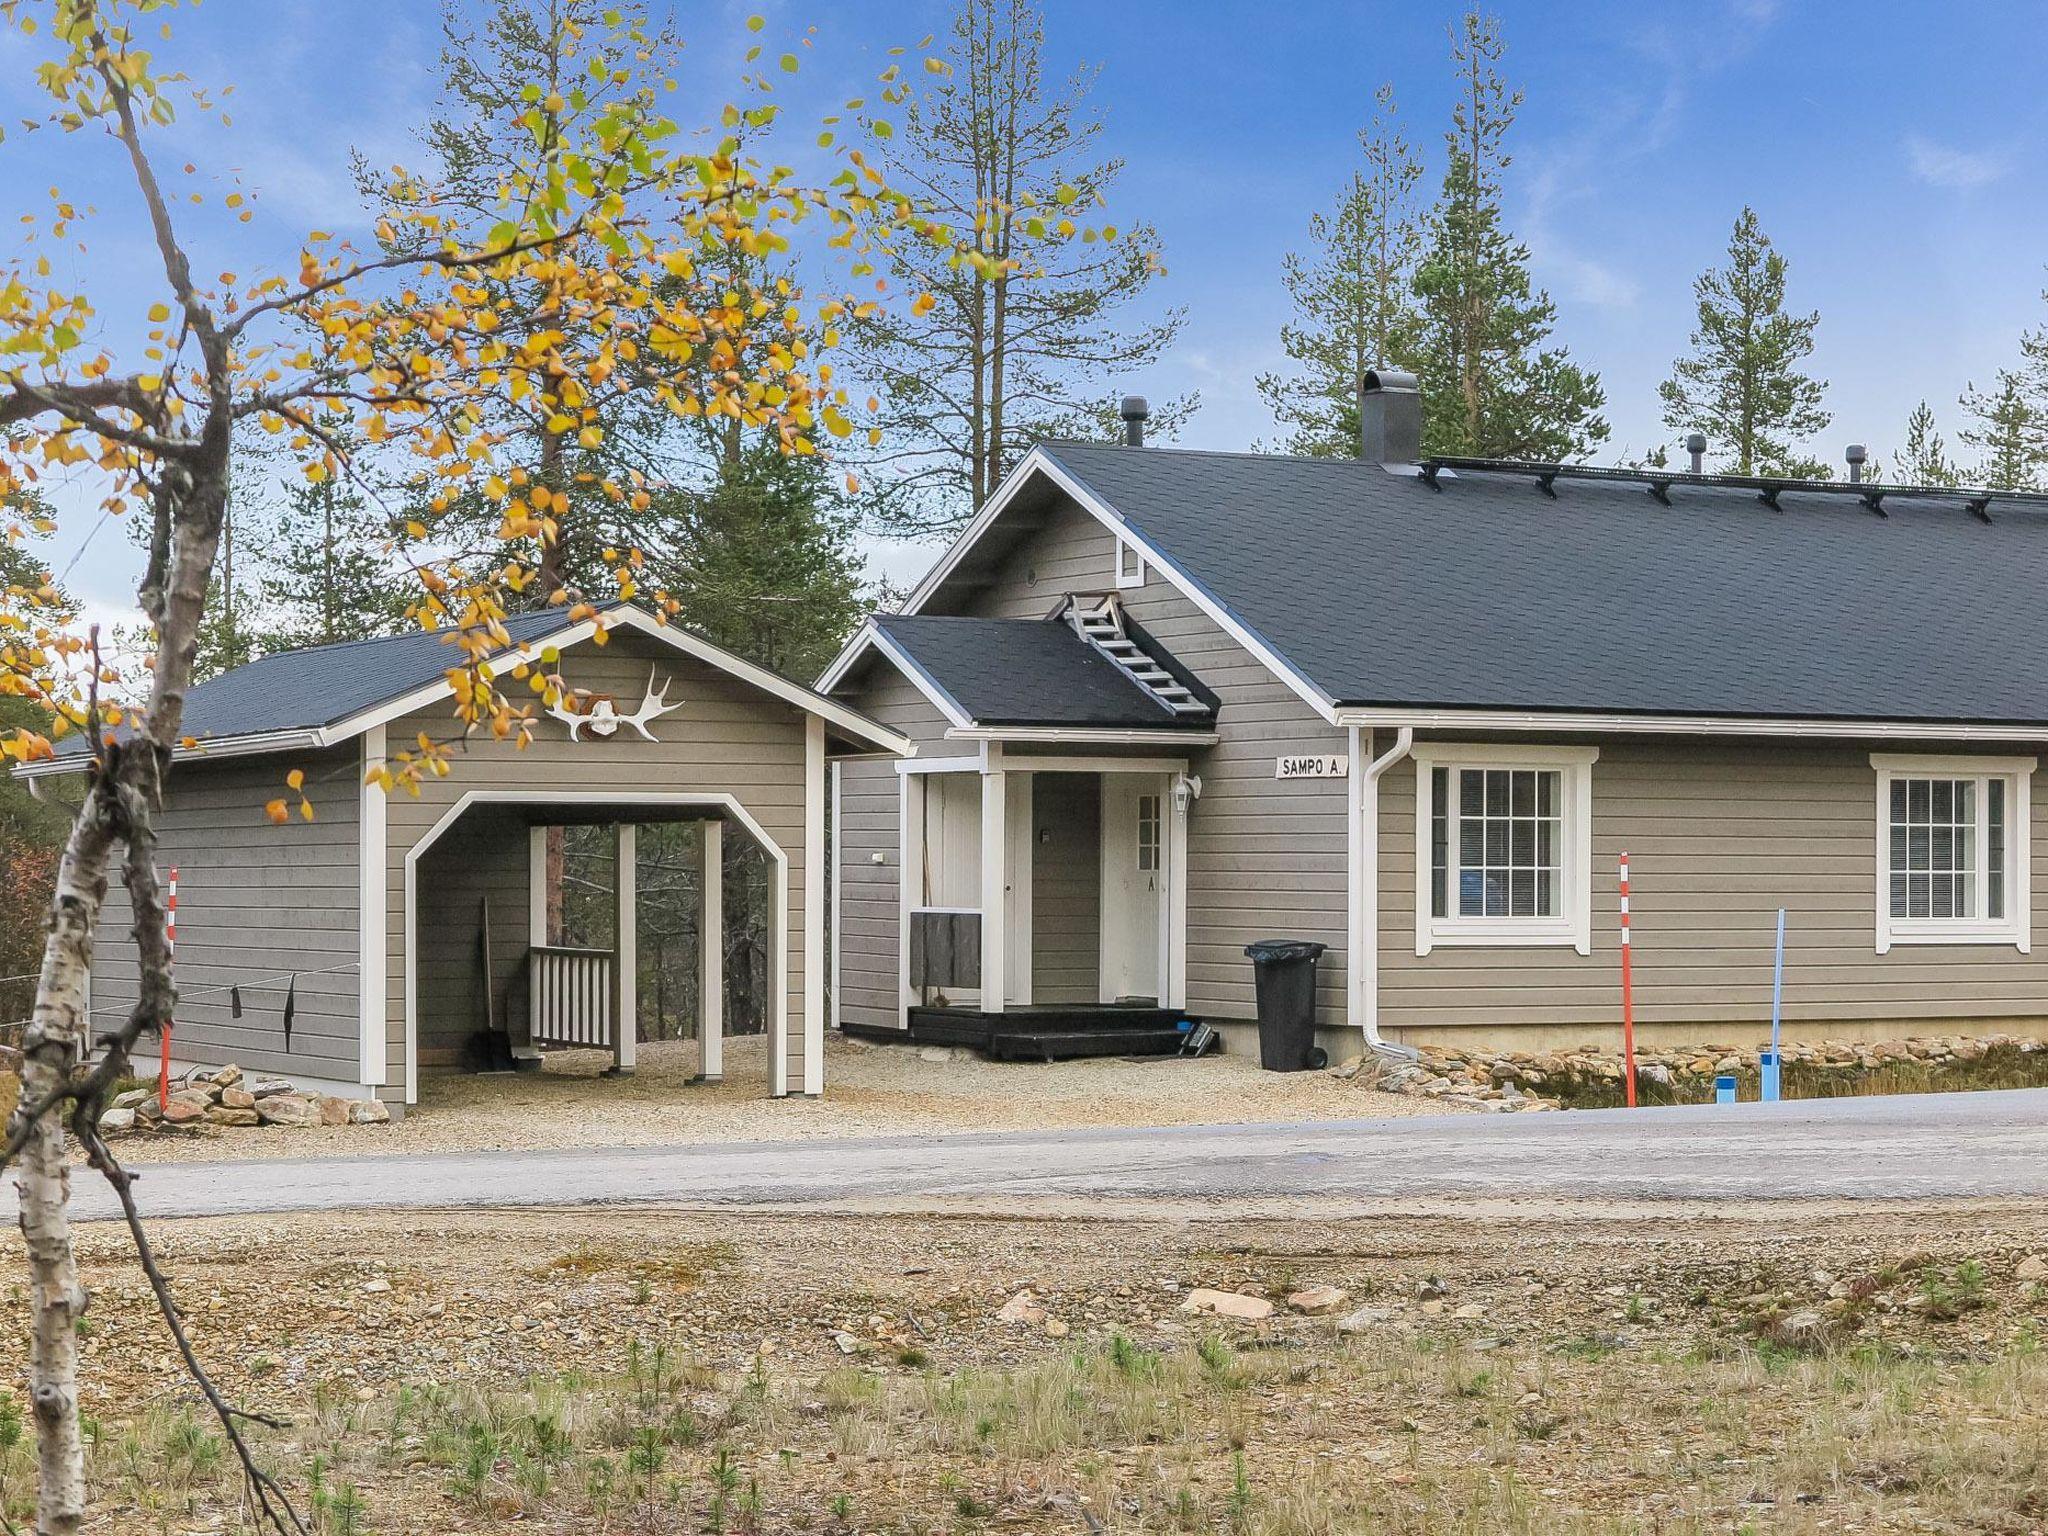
x,y
1280,951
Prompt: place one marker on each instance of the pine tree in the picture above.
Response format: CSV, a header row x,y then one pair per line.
x,y
1353,296
2010,431
328,574
1925,460
1035,347
1491,384
1742,385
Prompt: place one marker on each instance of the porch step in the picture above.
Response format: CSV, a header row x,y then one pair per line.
x,y
1050,1034
1063,1046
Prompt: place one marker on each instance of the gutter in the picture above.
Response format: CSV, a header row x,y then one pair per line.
x,y
1365,905
252,745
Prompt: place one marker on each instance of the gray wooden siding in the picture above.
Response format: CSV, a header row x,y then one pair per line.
x,y
1719,836
254,900
1266,857
1066,887
870,953
482,857
727,738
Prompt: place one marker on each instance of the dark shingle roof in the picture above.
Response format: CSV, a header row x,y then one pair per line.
x,y
324,684
1487,594
1027,672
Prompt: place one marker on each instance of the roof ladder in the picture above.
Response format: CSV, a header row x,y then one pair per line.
x,y
1102,626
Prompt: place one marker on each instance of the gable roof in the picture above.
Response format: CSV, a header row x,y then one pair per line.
x,y
1022,672
322,695
1371,590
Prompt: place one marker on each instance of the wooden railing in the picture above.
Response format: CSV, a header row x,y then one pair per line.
x,y
569,996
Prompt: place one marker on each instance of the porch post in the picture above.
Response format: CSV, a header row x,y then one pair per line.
x,y
711,957
814,907
995,845
626,951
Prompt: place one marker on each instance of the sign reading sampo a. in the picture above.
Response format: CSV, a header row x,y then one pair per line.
x,y
1311,767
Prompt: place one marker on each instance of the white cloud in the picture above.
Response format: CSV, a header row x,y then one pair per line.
x,y
1940,165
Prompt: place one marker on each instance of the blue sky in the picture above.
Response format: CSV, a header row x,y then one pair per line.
x,y
1896,153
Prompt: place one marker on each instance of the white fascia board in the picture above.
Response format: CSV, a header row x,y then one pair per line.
x,y
1083,736
923,682
1036,462
253,745
1684,725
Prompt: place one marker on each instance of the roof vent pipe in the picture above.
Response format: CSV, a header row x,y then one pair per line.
x,y
1696,445
1389,417
1858,456
1134,412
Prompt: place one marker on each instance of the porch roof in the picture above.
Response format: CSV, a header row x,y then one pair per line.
x,y
1023,672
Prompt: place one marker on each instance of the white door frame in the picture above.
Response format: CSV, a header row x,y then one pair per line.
x,y
778,985
1171,955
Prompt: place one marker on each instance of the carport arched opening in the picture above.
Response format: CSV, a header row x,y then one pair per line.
x,y
552,930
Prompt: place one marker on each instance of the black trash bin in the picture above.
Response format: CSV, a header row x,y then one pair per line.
x,y
1285,973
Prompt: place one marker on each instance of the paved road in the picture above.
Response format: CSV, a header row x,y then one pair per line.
x,y
1968,1145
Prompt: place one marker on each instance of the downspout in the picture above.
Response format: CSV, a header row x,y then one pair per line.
x,y
1365,804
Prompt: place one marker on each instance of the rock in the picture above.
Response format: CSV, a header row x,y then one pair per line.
x,y
227,1076
376,1287
269,1087
1315,1300
331,1111
1424,1289
1021,1308
237,1098
115,1121
937,1055
198,1098
1364,1320
1347,1069
1056,1329
286,1109
2032,1267
848,1344
369,1112
221,1114
1805,1329
182,1111
1433,1308
133,1097
1228,1304
1655,1072
1469,1312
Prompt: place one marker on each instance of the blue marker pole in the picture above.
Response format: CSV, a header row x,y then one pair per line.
x,y
1773,1062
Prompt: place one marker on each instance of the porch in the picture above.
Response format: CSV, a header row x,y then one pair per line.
x,y
1044,909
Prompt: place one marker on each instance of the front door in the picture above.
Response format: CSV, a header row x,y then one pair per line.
x,y
1133,885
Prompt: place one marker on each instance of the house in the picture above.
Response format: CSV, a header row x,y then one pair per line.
x,y
390,930
1168,702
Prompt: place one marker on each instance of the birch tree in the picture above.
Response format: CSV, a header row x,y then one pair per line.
x,y
409,343
1354,307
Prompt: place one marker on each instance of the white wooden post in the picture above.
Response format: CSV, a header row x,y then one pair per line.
x,y
814,906
536,932
995,847
626,952
711,961
910,891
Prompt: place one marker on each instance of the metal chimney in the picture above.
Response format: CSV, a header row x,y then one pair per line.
x,y
1135,411
1389,417
1696,445
1858,456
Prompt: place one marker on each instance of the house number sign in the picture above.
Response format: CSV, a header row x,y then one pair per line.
x,y
1311,767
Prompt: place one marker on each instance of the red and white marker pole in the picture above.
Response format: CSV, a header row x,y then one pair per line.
x,y
163,1034
1628,1001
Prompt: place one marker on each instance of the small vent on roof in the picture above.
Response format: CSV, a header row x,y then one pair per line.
x,y
1858,456
1696,450
1101,623
1135,412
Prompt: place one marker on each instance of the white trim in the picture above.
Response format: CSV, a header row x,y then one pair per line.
x,y
626,948
995,851
1181,794
910,793
919,678
1038,461
910,765
1083,736
711,957
836,773
1126,578
373,885
2016,927
1686,725
814,907
252,745
1573,925
778,985
1096,764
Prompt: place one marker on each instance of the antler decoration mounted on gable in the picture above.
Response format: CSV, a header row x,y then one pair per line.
x,y
603,719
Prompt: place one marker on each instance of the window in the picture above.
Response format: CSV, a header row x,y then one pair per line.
x,y
1130,566
1952,850
1148,834
1509,855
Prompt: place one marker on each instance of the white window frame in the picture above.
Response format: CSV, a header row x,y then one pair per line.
x,y
2016,927
1130,566
1573,924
